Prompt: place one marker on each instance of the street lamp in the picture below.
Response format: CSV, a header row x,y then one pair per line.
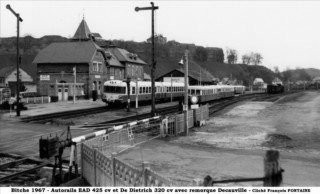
x,y
186,83
19,19
153,65
128,80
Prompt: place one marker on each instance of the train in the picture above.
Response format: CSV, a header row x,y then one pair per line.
x,y
115,91
275,89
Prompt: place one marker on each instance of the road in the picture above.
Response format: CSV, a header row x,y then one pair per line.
x,y
233,144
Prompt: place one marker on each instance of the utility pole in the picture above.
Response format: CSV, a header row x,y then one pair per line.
x,y
185,63
74,85
153,65
19,19
171,88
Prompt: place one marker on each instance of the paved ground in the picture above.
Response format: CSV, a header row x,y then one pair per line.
x,y
233,144
22,138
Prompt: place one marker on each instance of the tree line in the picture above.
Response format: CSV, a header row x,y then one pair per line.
x,y
251,58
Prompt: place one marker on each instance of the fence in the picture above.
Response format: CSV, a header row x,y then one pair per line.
x,y
36,100
196,117
97,158
101,170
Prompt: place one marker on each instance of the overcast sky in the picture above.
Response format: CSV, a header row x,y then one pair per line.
x,y
286,33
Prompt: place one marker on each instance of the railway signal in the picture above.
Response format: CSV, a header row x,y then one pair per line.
x,y
19,19
153,65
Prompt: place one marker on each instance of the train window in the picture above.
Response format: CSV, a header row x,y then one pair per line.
x,y
198,92
133,89
143,90
149,90
140,90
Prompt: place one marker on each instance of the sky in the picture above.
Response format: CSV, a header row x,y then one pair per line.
x,y
285,33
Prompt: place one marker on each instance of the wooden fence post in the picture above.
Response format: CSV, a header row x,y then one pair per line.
x,y
272,170
176,125
82,161
145,168
113,168
94,167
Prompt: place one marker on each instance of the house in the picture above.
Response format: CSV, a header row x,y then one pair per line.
x,y
132,64
258,82
8,78
277,81
86,62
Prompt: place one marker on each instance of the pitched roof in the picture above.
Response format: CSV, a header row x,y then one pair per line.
x,y
82,32
4,72
124,56
67,52
112,60
205,75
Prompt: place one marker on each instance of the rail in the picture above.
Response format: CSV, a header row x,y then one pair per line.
x,y
19,167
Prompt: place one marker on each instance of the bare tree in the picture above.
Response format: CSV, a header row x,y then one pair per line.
x,y
232,56
252,58
257,58
276,71
246,59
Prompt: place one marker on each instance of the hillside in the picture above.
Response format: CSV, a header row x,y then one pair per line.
x,y
168,54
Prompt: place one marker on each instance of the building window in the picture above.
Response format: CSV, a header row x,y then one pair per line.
x,y
96,67
111,71
99,67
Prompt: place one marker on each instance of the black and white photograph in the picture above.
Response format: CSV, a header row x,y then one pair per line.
x,y
143,96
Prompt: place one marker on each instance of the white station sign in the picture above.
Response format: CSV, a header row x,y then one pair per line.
x,y
45,77
194,106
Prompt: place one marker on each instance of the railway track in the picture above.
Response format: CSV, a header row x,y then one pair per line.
x,y
220,105
66,114
19,171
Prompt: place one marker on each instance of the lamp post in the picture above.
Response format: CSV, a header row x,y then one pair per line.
x,y
128,80
186,83
153,65
19,19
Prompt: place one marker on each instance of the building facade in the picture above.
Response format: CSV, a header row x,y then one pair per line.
x,y
83,62
8,78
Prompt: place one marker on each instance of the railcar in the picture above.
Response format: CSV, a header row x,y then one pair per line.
x,y
115,91
204,93
238,89
225,91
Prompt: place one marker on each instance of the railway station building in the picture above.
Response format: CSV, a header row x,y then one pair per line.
x,y
195,77
82,65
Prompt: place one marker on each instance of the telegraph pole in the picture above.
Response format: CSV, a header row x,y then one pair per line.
x,y
19,19
153,65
